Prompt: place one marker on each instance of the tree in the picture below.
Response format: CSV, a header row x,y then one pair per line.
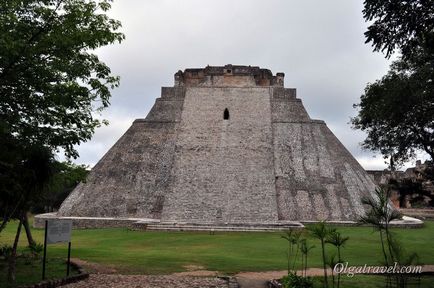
x,y
50,82
404,25
32,173
66,177
52,87
397,111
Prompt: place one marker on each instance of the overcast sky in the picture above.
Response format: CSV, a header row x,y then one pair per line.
x,y
319,45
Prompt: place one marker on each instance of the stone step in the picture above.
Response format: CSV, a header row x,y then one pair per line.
x,y
210,228
228,224
214,229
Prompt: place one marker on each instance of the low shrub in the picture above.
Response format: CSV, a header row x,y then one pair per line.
x,y
296,281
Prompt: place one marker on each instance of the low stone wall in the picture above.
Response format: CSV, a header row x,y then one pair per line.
x,y
144,224
89,222
418,213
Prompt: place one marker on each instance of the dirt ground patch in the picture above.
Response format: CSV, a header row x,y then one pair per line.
x,y
197,271
92,267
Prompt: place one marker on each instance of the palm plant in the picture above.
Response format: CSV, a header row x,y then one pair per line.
x,y
379,216
304,248
335,238
402,258
331,262
321,232
292,237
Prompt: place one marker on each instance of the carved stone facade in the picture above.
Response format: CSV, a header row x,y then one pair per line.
x,y
225,145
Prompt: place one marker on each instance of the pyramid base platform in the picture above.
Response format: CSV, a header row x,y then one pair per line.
x,y
145,224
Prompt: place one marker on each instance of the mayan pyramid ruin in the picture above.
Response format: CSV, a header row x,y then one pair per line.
x,y
225,144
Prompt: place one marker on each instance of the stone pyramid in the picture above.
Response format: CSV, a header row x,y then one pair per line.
x,y
226,144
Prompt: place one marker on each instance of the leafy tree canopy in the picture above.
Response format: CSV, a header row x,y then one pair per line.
x,y
51,84
66,176
23,177
404,25
397,111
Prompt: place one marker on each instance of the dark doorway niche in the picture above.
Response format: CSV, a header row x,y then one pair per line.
x,y
226,114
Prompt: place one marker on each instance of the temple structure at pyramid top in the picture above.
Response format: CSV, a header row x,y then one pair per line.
x,y
228,75
226,144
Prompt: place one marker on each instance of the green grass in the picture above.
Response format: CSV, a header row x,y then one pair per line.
x,y
30,271
167,252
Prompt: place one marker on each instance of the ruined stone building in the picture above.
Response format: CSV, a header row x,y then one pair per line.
x,y
225,144
412,187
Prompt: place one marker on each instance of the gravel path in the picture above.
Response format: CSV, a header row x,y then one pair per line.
x,y
147,281
197,277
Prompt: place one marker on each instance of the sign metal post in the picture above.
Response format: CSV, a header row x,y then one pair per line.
x,y
57,231
45,250
69,258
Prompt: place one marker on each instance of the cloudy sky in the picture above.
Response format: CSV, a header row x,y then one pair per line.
x,y
319,45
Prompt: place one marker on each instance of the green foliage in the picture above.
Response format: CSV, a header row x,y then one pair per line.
x,y
296,281
5,251
397,110
305,249
29,271
379,216
404,25
50,81
26,177
35,250
66,177
51,86
293,239
380,212
336,239
321,232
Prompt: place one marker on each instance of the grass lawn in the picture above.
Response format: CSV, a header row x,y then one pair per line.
x,y
29,271
166,252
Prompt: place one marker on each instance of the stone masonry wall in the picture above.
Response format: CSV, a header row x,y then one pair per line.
x,y
131,180
223,168
316,177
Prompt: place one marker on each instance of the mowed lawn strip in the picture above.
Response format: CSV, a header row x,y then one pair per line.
x,y
166,252
29,271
